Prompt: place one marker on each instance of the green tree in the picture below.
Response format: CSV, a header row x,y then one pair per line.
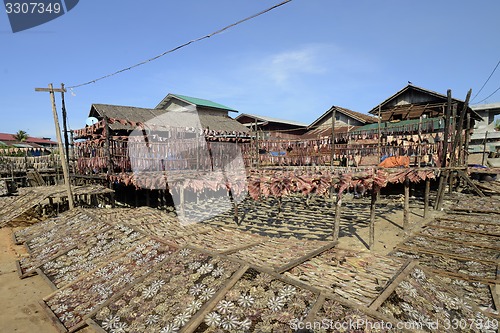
x,y
497,124
21,136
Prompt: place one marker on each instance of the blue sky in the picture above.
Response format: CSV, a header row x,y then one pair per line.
x,y
293,62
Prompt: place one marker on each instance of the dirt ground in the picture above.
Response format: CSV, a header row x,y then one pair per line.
x,y
19,303
21,311
388,230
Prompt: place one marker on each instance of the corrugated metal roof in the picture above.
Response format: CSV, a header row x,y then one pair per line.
x,y
271,119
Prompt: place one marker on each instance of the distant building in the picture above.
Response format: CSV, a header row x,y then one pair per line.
x,y
485,129
10,141
270,128
181,103
413,102
345,120
175,117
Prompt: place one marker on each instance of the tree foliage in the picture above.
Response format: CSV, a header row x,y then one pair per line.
x,y
21,136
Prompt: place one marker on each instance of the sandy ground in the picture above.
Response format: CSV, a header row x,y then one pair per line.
x,y
388,230
21,311
19,303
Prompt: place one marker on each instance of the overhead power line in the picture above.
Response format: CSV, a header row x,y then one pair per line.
x,y
489,77
181,46
493,93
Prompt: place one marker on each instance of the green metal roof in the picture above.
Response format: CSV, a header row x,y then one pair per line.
x,y
203,102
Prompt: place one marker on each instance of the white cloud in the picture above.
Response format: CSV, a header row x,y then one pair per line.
x,y
284,67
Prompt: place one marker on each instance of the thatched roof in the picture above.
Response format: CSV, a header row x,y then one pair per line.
x,y
161,117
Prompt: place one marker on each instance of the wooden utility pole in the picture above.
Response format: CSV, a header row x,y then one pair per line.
x,y
65,123
51,90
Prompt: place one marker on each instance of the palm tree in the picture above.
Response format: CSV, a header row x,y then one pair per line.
x,y
21,136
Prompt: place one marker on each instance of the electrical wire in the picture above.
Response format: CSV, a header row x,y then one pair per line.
x,y
489,77
493,93
183,45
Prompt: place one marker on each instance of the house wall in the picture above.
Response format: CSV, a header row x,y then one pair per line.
x,y
180,106
341,120
213,112
487,124
411,97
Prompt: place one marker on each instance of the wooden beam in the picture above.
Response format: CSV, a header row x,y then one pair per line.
x,y
50,89
197,319
392,285
466,178
306,257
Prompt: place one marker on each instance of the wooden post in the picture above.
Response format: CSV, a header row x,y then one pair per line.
x,y
467,141
334,114
197,151
336,227
442,186
426,196
484,147
457,143
406,211
453,135
72,145
182,201
446,129
51,90
379,146
107,146
419,144
372,217
256,144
